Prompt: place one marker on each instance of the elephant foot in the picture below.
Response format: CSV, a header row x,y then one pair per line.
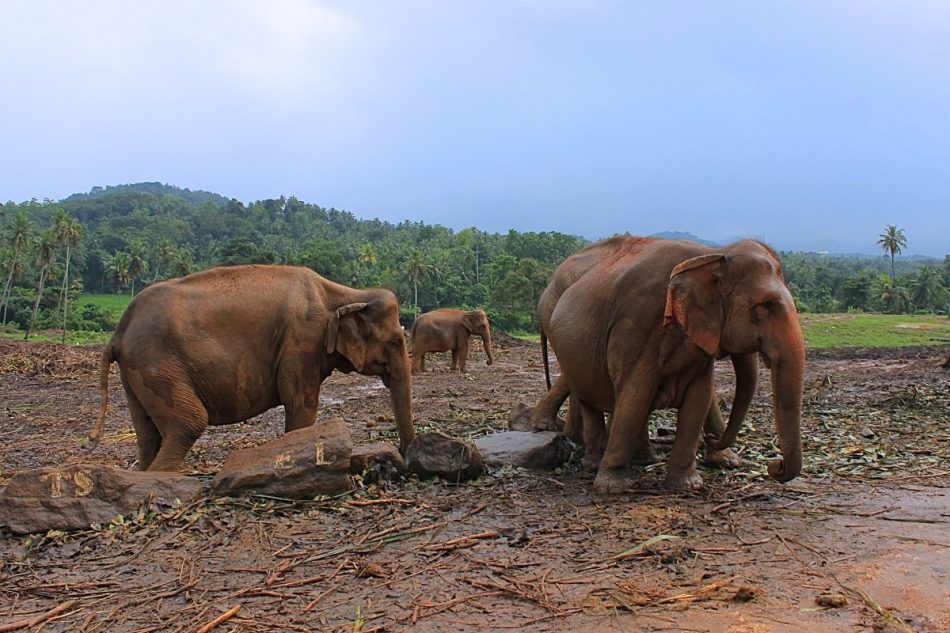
x,y
547,425
644,456
686,481
726,458
614,481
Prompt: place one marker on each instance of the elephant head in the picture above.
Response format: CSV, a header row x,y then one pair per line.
x,y
369,336
476,322
735,301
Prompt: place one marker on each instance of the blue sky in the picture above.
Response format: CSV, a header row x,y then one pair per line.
x,y
808,124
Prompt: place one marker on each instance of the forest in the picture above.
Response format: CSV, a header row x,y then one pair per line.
x,y
122,238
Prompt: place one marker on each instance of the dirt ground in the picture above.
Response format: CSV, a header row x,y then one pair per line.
x,y
860,542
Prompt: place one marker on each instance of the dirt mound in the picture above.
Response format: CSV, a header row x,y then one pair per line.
x,y
878,353
503,339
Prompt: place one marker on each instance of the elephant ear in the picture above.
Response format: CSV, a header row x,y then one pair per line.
x,y
343,334
470,321
694,301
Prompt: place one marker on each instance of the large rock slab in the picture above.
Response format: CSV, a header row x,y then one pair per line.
x,y
437,454
299,465
75,497
542,450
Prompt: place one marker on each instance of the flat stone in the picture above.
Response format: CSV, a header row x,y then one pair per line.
x,y
75,497
437,454
541,450
299,465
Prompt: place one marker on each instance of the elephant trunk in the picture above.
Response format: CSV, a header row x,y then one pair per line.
x,y
746,367
486,341
399,383
788,383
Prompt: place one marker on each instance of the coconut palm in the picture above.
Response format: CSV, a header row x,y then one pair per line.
x,y
137,261
927,290
416,266
19,234
891,242
45,256
117,267
68,231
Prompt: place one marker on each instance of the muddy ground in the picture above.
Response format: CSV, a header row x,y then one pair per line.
x,y
860,542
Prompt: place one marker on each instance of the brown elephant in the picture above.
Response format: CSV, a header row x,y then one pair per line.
x,y
448,329
223,345
640,332
544,415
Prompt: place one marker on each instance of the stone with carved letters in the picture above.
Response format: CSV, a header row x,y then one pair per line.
x,y
75,497
298,465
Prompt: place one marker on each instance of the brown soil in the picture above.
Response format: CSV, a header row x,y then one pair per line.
x,y
858,543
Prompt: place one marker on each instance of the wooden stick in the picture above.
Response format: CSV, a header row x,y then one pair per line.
x,y
224,617
52,613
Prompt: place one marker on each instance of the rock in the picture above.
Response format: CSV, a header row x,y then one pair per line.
x,y
542,450
75,497
520,418
436,454
380,460
299,465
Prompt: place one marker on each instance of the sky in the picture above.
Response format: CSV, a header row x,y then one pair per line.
x,y
809,124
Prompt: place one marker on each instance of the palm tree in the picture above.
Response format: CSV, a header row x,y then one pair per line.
x,y
162,255
45,256
137,261
927,288
416,266
19,236
67,232
366,256
181,262
118,268
891,242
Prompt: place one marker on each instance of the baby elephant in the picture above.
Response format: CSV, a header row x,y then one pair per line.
x,y
444,330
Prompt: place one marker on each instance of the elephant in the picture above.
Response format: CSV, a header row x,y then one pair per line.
x,y
544,415
641,331
226,344
448,329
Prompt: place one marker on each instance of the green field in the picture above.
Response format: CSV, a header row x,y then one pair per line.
x,y
115,304
862,330
874,330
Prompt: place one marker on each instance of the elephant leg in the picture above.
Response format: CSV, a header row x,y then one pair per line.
x,y
544,416
455,360
715,427
643,453
418,360
299,391
631,413
180,427
681,468
147,438
462,355
594,434
574,425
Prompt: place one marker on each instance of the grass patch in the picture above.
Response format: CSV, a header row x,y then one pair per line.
x,y
56,336
114,304
873,330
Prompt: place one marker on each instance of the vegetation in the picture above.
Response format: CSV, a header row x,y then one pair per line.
x,y
873,330
120,239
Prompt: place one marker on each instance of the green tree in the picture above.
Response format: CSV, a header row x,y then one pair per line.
x,y
891,242
926,288
416,266
67,232
117,268
45,257
365,259
18,236
138,261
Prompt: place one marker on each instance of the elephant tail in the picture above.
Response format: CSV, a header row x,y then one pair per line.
x,y
544,356
105,362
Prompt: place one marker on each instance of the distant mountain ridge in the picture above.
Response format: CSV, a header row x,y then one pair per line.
x,y
682,235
